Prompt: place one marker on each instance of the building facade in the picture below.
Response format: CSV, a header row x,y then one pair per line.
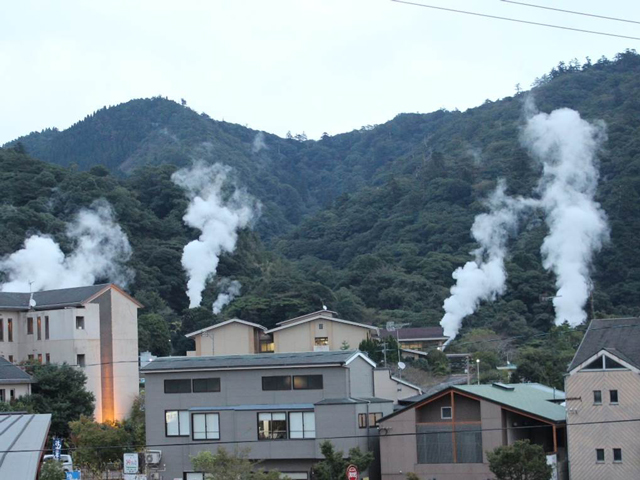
x,y
603,402
279,406
14,382
415,339
94,328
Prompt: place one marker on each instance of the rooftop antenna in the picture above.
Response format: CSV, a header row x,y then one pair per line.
x,y
324,307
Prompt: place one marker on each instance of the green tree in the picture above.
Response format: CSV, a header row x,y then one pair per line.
x,y
334,466
154,335
520,461
223,465
52,470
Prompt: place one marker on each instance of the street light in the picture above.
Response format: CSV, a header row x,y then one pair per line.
x,y
478,369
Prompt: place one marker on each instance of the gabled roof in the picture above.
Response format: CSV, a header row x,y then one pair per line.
x,y
321,316
319,313
619,336
60,298
222,324
254,361
418,333
12,374
529,398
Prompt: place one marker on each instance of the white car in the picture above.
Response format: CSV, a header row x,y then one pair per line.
x,y
67,462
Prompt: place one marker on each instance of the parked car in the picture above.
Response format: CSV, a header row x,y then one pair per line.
x,y
66,460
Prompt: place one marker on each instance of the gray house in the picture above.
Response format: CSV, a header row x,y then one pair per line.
x,y
279,405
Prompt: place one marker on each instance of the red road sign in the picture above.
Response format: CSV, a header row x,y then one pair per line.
x,y
352,472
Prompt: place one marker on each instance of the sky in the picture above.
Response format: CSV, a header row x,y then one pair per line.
x,y
309,66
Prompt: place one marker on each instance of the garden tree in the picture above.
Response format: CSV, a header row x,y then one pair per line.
x,y
519,461
345,345
438,363
334,466
374,348
52,470
135,424
154,335
223,465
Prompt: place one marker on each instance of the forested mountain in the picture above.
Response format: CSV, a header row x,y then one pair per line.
x,y
371,222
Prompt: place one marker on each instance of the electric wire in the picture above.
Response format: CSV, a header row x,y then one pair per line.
x,y
571,11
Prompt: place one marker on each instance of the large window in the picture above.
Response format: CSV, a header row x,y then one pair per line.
x,y
613,397
176,423
374,417
307,382
302,425
604,363
29,326
272,426
39,328
206,426
46,328
322,341
177,386
10,329
206,385
276,383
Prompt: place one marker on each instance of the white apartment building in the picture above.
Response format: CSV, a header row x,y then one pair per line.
x,y
94,328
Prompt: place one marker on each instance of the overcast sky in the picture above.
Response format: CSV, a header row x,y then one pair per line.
x,y
280,65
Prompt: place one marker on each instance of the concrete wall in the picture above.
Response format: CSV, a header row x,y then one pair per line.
x,y
361,378
301,338
583,440
387,387
20,390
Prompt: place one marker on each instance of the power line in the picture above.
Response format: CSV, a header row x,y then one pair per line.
x,y
571,11
528,22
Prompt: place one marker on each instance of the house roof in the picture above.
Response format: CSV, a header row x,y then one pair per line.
x,y
222,324
254,361
329,318
418,333
60,298
352,401
22,439
326,313
12,374
619,336
530,398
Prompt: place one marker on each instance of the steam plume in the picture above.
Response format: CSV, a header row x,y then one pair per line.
x,y
230,290
216,215
101,250
566,145
258,143
484,278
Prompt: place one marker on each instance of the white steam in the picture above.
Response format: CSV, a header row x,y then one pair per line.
x,y
217,215
101,250
230,290
567,145
258,143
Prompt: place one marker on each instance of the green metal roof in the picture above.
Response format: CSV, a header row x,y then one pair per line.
x,y
532,398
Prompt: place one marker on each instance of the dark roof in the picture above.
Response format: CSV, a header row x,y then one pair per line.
x,y
352,401
254,360
432,390
412,333
10,373
620,336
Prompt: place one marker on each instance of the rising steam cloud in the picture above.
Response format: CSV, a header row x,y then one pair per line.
x,y
219,216
101,250
566,146
230,289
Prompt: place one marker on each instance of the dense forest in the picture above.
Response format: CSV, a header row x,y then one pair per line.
x,y
371,223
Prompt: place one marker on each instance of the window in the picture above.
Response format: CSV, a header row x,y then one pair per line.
x,y
10,329
373,419
39,328
48,357
40,358
276,383
177,386
30,357
272,426
80,361
46,328
307,382
611,364
617,455
322,341
613,396
267,347
302,425
79,323
597,397
599,455
11,358
29,326
206,426
206,385
446,413
176,423
320,326
604,363
2,396
1,330
12,397
362,420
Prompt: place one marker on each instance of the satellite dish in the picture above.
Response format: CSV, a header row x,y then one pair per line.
x,y
401,365
32,303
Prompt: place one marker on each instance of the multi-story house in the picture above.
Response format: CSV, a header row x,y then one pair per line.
x,y
14,382
418,339
314,332
94,328
603,402
280,406
447,434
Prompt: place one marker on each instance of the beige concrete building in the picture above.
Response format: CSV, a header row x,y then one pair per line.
x,y
603,395
94,328
233,337
446,435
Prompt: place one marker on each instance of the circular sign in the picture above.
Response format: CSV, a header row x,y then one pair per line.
x,y
352,472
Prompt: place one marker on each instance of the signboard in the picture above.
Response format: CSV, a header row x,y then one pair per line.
x,y
75,475
352,472
57,448
130,463
134,476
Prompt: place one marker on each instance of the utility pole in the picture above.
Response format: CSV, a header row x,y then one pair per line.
x,y
478,369
468,369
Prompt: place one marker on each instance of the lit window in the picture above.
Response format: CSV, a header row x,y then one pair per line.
x,y
617,455
206,426
39,328
307,382
613,396
272,426
10,329
79,323
302,425
597,397
374,418
446,413
176,423
322,341
599,455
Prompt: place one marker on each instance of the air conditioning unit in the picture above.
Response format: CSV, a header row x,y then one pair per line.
x,y
152,457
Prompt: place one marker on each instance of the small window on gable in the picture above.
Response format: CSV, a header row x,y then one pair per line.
x,y
610,363
446,413
604,362
595,365
320,326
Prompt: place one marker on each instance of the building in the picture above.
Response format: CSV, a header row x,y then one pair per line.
x,y
95,328
412,339
14,382
389,386
447,434
603,402
23,439
314,332
281,406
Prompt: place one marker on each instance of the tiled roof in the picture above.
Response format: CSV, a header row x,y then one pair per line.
x,y
64,297
247,361
621,336
10,373
22,437
352,401
413,333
